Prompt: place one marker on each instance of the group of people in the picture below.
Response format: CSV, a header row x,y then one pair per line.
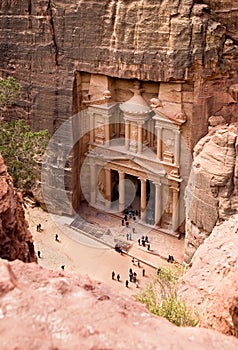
x,y
132,275
144,241
128,214
114,276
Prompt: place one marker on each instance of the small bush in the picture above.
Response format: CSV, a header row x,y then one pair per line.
x,y
21,149
161,299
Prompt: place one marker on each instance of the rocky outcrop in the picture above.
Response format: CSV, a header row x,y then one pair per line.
x,y
15,239
211,283
42,309
212,192
45,43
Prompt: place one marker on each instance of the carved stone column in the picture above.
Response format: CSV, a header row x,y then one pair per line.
x,y
140,138
175,213
158,203
108,188
143,200
127,134
93,188
121,188
159,143
92,131
107,133
177,147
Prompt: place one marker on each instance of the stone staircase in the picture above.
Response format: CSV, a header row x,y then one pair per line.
x,y
105,235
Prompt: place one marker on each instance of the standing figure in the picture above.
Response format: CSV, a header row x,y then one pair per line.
x,y
127,283
38,254
113,275
118,277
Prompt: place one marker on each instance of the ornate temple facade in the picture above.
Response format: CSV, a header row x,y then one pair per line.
x,y
134,153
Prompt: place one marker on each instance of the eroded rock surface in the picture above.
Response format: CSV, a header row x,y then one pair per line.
x,y
43,44
212,192
211,283
41,309
15,239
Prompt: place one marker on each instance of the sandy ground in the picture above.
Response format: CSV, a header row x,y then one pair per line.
x,y
85,256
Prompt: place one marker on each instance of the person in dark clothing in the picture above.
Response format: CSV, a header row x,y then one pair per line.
x,y
113,275
118,277
38,254
139,241
57,238
170,259
62,267
143,272
127,283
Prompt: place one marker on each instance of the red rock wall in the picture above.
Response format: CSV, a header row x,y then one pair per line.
x,y
43,44
211,283
212,191
15,238
41,309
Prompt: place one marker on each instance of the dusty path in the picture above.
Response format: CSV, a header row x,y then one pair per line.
x,y
87,257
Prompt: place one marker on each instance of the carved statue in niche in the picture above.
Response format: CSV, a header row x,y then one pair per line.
x,y
134,134
101,186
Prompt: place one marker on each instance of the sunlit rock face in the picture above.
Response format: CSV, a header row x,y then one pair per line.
x,y
211,283
212,191
41,309
15,239
43,44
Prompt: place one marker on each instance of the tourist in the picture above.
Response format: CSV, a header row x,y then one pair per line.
x,y
133,229
131,277
146,239
137,284
127,224
38,228
139,241
133,261
148,247
143,272
38,254
118,277
57,238
138,263
170,259
134,276
62,267
127,236
113,275
127,283
123,222
130,236
130,271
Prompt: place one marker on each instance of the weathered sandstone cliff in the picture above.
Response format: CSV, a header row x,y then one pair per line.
x,y
15,238
212,192
211,283
42,309
45,43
